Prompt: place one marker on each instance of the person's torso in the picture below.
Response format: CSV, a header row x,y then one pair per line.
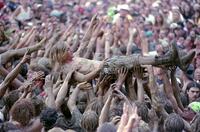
x,y
86,66
24,14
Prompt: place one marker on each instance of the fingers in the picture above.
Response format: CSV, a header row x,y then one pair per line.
x,y
123,71
124,119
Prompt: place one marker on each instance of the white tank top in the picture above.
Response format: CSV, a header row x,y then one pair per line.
x,y
24,15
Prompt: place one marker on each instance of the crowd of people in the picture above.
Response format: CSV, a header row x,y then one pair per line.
x,y
52,53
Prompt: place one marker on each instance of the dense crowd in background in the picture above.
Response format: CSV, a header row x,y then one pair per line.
x,y
52,52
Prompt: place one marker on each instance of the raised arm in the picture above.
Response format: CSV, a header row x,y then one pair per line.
x,y
132,33
169,92
50,43
50,100
108,43
105,111
88,77
140,90
176,89
92,42
26,38
72,98
86,37
16,83
63,90
5,57
12,75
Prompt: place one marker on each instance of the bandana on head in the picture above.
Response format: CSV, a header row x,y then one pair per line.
x,y
195,106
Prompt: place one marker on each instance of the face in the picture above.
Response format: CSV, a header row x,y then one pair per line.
x,y
193,93
68,55
197,42
197,74
123,12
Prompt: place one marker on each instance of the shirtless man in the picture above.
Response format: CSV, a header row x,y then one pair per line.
x,y
87,69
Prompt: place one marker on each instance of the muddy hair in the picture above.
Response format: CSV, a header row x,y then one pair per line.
x,y
142,111
57,52
10,99
48,118
107,127
82,102
174,123
38,104
23,111
117,110
89,121
95,105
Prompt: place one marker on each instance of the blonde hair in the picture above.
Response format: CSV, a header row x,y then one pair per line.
x,y
57,52
89,121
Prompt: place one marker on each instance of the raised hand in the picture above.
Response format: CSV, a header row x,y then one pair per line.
x,y
138,71
48,82
25,85
102,85
97,28
84,86
122,73
128,121
38,76
26,57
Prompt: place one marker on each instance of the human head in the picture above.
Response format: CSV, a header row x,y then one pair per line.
x,y
123,10
22,111
142,111
193,91
173,123
197,75
10,99
38,104
61,53
82,102
96,106
89,121
107,127
48,118
65,110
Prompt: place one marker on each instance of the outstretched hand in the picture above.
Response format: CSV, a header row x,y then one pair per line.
x,y
48,82
84,86
122,73
138,72
129,121
26,57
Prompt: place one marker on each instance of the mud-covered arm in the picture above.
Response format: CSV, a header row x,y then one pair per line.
x,y
105,111
72,98
156,101
130,42
50,100
76,43
169,92
86,37
16,83
6,56
26,38
12,75
50,43
95,32
63,90
138,72
108,43
88,77
176,89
